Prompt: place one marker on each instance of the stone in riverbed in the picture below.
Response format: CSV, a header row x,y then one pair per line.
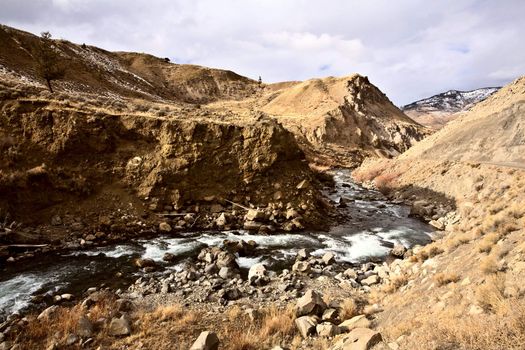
x,y
254,215
206,341
257,274
328,258
302,254
142,263
164,227
301,266
398,251
226,259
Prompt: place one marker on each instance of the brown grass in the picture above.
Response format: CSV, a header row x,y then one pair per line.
x,y
395,283
349,309
488,265
443,278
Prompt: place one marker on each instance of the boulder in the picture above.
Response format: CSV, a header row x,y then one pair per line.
x,y
358,339
306,325
227,272
169,257
221,221
206,341
257,274
302,254
370,280
359,321
327,330
84,327
252,225
311,303
301,266
145,263
399,250
48,313
437,224
350,273
328,258
119,327
226,259
164,227
254,215
330,315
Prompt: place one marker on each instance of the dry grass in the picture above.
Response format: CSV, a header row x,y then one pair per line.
x,y
490,295
427,252
349,309
488,265
395,283
443,278
488,242
385,181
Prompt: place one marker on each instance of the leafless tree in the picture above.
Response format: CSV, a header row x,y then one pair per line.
x,y
49,65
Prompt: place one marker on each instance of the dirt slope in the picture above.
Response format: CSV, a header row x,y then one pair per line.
x,y
465,290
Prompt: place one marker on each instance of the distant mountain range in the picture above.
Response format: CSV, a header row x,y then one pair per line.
x,y
440,109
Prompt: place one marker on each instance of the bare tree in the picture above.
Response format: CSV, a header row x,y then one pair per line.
x,y
49,65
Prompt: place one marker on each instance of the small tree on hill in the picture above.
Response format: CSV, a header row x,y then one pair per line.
x,y
49,66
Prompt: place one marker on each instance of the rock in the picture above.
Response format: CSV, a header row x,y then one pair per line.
x,y
359,321
252,225
358,339
399,250
169,257
327,330
328,258
48,313
66,297
226,259
90,237
437,224
302,254
254,215
84,327
330,315
306,325
291,214
206,341
227,272
301,266
56,220
164,227
232,294
311,303
303,184
350,273
145,263
211,269
71,339
119,327
5,345
370,280
257,274
221,221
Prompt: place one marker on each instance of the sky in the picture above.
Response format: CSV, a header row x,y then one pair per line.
x,y
410,49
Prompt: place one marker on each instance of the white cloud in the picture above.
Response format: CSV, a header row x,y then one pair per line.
x,y
410,48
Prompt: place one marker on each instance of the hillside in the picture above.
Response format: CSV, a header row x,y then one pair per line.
x,y
470,277
346,118
436,111
338,121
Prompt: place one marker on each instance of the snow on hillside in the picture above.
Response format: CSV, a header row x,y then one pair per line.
x,y
451,101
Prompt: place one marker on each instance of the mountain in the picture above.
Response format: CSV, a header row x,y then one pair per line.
x,y
440,109
345,118
492,130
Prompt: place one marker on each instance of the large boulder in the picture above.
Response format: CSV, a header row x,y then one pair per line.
x,y
327,330
301,266
206,341
359,321
226,259
358,339
311,303
257,275
254,215
306,325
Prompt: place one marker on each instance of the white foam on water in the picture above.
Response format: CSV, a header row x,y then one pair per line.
x,y
246,263
16,292
267,241
156,249
110,252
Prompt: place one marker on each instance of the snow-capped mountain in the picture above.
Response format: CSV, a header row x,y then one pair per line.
x,y
439,109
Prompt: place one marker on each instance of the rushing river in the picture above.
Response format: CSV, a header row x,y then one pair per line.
x,y
374,225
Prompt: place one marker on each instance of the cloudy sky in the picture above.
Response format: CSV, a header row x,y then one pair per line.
x,y
409,48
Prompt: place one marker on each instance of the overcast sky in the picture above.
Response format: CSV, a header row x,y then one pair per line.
x,y
410,49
